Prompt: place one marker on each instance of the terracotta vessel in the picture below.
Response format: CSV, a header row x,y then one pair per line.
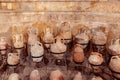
x,y
115,63
56,75
37,51
95,58
78,76
32,35
65,32
35,75
48,37
13,58
3,45
13,76
78,53
99,37
96,78
115,47
18,40
58,47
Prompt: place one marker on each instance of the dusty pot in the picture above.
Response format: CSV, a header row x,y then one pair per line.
x,y
13,76
99,37
56,75
32,35
78,53
18,40
82,38
37,51
58,48
48,37
13,59
115,63
35,75
115,47
78,76
65,32
96,78
95,58
3,45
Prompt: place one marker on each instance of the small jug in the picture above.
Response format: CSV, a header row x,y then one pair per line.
x,y
115,47
95,58
115,63
13,59
18,40
56,75
48,37
35,75
13,76
37,51
58,48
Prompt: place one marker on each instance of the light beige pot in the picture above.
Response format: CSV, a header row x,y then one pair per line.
x,y
78,53
13,58
37,50
78,76
115,47
48,37
18,40
115,63
58,47
13,76
35,75
96,78
95,58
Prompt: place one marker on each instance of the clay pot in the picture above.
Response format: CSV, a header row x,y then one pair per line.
x,y
3,45
35,75
96,78
48,37
95,58
13,58
37,51
32,35
18,40
58,47
99,38
82,38
13,76
115,47
56,75
78,53
65,32
115,63
78,76
116,75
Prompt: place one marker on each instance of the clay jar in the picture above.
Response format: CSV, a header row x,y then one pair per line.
x,y
34,75
18,40
78,53
32,35
13,59
95,58
82,38
65,32
115,47
3,45
58,48
37,51
56,75
115,63
48,37
99,38
13,76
